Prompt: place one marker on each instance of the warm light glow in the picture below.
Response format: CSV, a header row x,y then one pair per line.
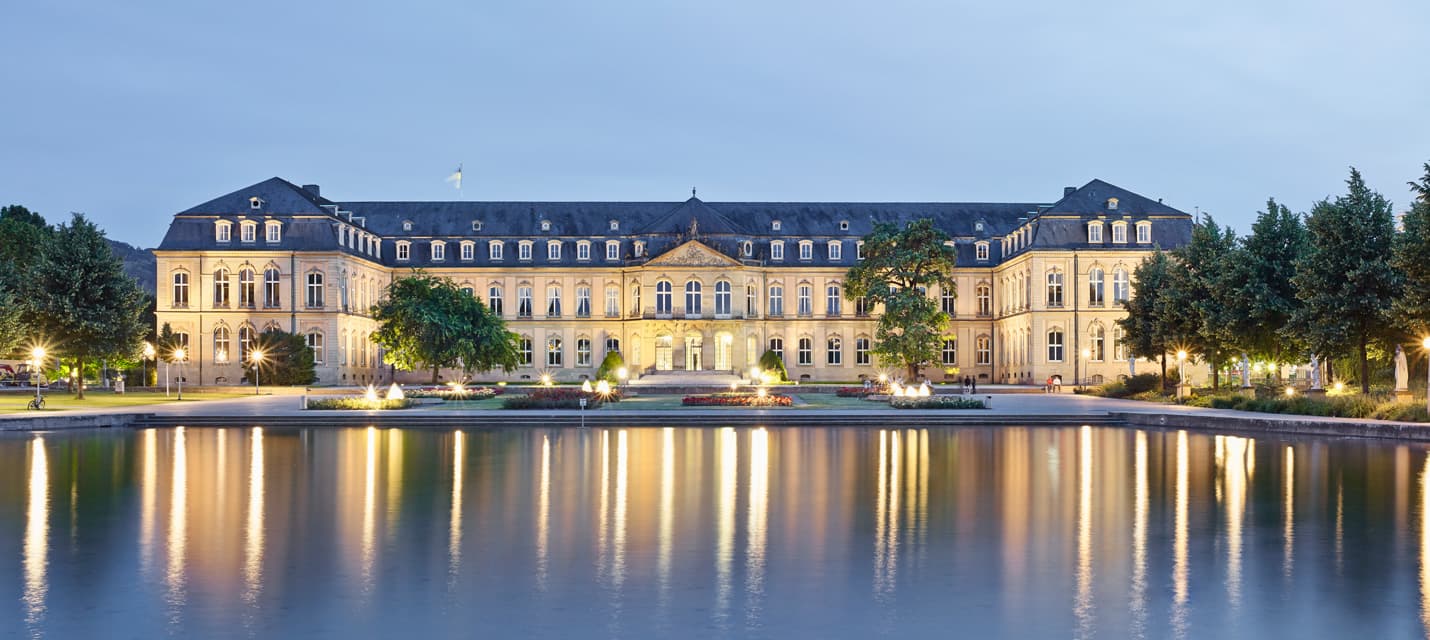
x,y
762,393
895,390
756,522
1290,391
726,483
1425,343
1082,601
543,512
586,386
623,373
37,534
394,392
1086,353
733,386
1339,386
178,534
256,356
38,354
148,351
546,379
457,387
179,354
603,388
883,377
924,390
454,528
253,542
370,395
1181,355
754,374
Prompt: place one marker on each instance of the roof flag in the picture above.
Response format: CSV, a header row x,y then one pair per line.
x,y
456,177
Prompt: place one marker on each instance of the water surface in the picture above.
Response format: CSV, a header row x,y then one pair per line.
x,y
999,532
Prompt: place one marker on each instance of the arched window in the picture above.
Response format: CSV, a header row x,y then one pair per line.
x,y
983,350
777,346
469,250
1120,289
494,249
553,351
583,301
1055,345
553,301
524,351
583,352
221,287
1119,349
246,295
722,298
221,345
1095,295
834,351
948,299
752,301
861,351
662,298
315,290
246,341
984,293
950,351
1055,288
777,300
1098,348
836,250
692,298
315,343
553,250
806,250
180,298
832,301
271,294
806,352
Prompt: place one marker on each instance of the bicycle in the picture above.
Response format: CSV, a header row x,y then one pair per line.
x,y
36,403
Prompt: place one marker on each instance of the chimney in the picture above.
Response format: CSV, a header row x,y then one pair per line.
x,y
313,189
1067,191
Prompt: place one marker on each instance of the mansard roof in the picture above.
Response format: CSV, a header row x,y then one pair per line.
x,y
279,196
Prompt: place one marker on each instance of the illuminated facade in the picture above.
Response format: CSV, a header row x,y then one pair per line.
x,y
674,286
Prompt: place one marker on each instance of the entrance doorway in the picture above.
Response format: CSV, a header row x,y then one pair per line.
x,y
723,347
663,353
693,344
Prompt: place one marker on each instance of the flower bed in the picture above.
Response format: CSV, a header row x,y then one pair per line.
x,y
471,393
362,404
737,400
860,392
936,402
558,398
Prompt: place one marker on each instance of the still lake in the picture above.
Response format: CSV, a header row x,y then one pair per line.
x,y
710,532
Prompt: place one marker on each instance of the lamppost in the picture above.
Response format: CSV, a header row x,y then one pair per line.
x,y
144,362
621,375
1086,356
1181,373
179,355
38,353
257,357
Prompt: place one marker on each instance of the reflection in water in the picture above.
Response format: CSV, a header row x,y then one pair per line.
x,y
759,488
369,509
253,547
1288,532
1083,608
148,498
178,525
1235,474
1139,537
667,516
1340,524
454,529
888,526
37,533
725,524
393,497
1179,543
543,513
1425,547
618,539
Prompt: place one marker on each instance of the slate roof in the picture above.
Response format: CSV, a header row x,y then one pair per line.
x,y
662,225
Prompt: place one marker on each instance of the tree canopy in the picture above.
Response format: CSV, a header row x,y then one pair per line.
x,y
898,267
429,322
1144,332
1412,259
287,359
1264,299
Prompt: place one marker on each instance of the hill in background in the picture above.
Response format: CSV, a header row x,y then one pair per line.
x,y
138,264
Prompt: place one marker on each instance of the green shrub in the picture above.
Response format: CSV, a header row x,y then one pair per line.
x,y
612,363
470,393
771,363
361,404
936,402
557,398
1142,383
1401,412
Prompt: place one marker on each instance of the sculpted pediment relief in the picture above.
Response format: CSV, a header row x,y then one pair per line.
x,y
694,254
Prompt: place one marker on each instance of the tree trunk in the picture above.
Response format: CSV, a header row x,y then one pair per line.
x,y
1364,365
434,374
1216,375
913,372
1164,371
79,381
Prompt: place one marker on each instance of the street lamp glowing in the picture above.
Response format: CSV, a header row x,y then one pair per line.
x,y
603,388
1290,391
545,379
1086,353
257,357
179,354
148,351
1182,355
1425,343
623,373
38,353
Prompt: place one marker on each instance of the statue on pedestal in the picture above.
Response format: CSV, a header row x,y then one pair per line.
x,y
1402,370
1245,371
1315,372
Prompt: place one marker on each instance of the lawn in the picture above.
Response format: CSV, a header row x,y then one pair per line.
x,y
666,402
493,402
14,402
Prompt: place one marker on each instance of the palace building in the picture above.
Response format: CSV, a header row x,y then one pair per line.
x,y
673,286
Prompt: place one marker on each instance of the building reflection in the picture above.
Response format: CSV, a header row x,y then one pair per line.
x,y
1138,604
178,533
253,538
454,529
149,490
1288,508
37,534
1083,609
1180,569
755,527
725,523
543,514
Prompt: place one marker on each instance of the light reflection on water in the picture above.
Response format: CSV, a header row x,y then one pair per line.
x,y
719,532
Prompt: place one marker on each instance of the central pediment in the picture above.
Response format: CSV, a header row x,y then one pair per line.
x,y
694,253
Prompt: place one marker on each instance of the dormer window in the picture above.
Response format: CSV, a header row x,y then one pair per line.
x,y
775,226
980,251
255,202
439,250
1119,232
469,250
553,250
843,225
747,248
273,231
248,231
476,225
406,225
1112,203
545,225
404,250
223,231
1094,232
836,250
859,250
1144,232
806,250
523,250
639,248
494,250
615,226
777,249
583,250
613,249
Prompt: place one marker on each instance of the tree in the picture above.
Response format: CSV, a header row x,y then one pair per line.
x,y
898,268
1144,331
1200,298
610,366
772,364
1345,280
78,298
1412,259
287,360
22,237
1265,298
428,321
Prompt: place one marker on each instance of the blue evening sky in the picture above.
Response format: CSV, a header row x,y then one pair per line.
x,y
132,111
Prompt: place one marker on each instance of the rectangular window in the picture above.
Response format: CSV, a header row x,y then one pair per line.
x,y
553,251
806,250
777,250
806,352
315,343
403,250
439,251
832,301
861,352
583,352
836,250
469,251
220,288
806,302
1119,233
751,301
246,285
777,346
834,352
275,232
248,232
777,301
1055,346
984,350
315,291
222,232
583,302
950,352
525,351
494,299
494,250
613,302
613,251
1094,232
980,251
1055,289
523,302
859,250
553,301
271,293
1144,232
948,300
583,251
523,251
181,291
